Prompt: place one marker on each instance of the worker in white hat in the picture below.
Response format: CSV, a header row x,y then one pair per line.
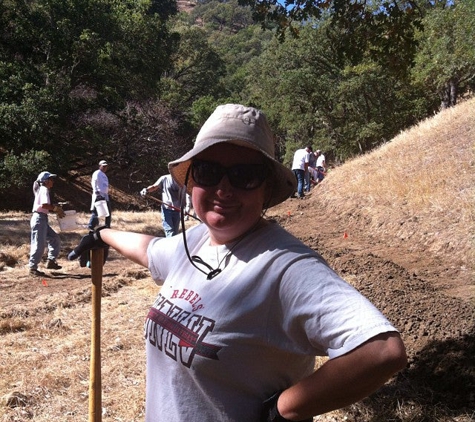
x,y
100,192
42,234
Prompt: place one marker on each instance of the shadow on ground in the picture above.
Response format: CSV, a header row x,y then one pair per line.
x,y
439,383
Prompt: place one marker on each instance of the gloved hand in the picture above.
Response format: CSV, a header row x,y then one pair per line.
x,y
100,198
85,257
90,241
187,210
270,413
144,192
59,211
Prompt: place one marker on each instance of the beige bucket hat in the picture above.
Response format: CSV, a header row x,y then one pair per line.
x,y
246,127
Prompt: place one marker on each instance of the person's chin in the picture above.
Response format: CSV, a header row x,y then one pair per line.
x,y
222,219
221,216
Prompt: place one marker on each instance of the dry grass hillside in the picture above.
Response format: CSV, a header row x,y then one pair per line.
x,y
416,193
396,223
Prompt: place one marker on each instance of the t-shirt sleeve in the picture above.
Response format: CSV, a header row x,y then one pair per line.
x,y
44,197
160,253
160,183
324,313
166,253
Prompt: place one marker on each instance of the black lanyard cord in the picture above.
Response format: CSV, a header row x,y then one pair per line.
x,y
213,272
182,220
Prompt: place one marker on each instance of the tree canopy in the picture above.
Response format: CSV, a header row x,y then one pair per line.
x,y
445,61
63,62
134,81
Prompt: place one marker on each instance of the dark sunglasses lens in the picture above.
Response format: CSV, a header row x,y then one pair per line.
x,y
241,176
206,173
247,176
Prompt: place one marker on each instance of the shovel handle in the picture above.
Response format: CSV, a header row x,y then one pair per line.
x,y
95,383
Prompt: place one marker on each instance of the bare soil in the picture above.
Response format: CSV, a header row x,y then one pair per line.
x,y
428,298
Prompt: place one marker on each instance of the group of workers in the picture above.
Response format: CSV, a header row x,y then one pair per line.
x,y
43,235
309,169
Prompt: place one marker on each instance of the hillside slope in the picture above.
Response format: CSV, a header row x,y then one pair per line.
x,y
414,196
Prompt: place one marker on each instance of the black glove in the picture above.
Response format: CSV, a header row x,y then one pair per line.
x,y
85,257
99,198
90,241
270,413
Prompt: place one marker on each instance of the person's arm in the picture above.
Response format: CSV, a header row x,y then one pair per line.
x,y
306,161
95,183
152,188
346,379
130,245
47,205
53,208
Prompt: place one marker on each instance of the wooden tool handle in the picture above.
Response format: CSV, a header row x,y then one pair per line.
x,y
95,384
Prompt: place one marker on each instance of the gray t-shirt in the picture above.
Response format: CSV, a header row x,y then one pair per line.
x,y
170,191
217,348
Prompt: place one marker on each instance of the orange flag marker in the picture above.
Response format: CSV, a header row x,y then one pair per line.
x,y
44,283
345,235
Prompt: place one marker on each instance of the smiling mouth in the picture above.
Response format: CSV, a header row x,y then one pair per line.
x,y
223,207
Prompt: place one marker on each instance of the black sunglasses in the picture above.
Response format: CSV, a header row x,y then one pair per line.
x,y
240,176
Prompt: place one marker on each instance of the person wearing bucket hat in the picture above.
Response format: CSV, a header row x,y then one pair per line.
x,y
42,234
244,306
100,192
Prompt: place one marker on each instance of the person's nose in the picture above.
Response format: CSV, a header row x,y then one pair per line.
x,y
224,187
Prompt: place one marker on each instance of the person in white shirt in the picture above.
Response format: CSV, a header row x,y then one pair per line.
x,y
300,167
42,234
244,306
321,165
310,171
100,191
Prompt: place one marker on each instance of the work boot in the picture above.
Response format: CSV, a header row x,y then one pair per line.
x,y
34,271
53,265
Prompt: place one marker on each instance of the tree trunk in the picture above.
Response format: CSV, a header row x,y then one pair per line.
x,y
449,94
